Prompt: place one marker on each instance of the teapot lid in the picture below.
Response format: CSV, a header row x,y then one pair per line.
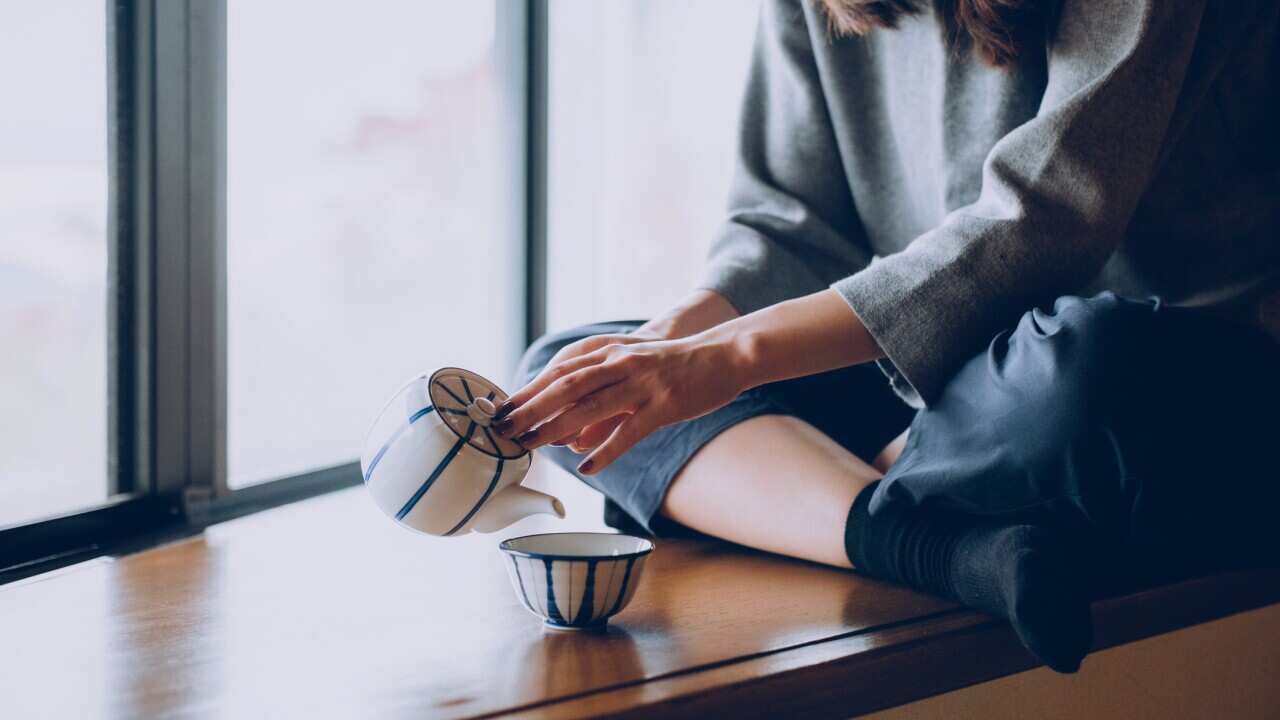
x,y
466,402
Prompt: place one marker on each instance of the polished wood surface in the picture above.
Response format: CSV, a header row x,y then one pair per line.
x,y
326,609
893,665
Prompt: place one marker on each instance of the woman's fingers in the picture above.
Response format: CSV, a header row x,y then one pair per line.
x,y
631,431
554,370
613,400
560,394
592,436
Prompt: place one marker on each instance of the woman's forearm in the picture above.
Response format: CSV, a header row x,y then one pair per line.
x,y
699,311
632,386
805,336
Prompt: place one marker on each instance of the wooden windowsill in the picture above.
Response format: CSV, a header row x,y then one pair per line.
x,y
323,608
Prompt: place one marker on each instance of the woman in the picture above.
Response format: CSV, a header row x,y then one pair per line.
x,y
1054,227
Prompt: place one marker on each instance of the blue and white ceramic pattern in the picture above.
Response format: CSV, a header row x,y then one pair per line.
x,y
432,464
575,580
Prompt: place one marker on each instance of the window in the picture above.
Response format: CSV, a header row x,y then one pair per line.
x,y
230,229
638,181
53,258
369,226
220,252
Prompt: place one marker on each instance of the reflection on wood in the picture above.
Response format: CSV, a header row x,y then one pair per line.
x,y
326,609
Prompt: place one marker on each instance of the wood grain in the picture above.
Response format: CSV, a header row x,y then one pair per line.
x,y
325,609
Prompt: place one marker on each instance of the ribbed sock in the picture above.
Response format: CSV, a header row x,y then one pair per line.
x,y
1018,572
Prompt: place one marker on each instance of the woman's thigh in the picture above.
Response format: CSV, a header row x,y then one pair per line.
x,y
1130,418
544,348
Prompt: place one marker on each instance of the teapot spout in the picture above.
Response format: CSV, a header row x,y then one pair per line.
x,y
513,503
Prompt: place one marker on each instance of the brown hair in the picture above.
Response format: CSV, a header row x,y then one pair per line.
x,y
997,29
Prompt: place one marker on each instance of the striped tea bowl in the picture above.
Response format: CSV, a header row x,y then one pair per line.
x,y
575,580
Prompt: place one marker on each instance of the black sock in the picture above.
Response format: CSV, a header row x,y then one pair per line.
x,y
1018,572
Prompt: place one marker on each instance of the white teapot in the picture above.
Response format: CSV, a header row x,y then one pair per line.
x,y
432,464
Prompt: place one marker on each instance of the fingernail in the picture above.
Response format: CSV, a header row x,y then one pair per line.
x,y
528,437
502,427
585,467
503,410
559,443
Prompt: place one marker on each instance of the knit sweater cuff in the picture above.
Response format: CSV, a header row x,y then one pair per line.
x,y
903,325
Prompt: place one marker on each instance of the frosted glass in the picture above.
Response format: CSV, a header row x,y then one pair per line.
x,y
642,122
369,227
53,258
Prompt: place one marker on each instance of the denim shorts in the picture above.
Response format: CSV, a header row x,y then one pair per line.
x,y
635,484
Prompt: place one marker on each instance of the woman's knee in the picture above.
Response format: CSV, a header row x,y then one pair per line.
x,y
1060,368
1089,339
538,354
1026,421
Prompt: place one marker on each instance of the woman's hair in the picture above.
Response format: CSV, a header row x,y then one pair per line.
x,y
997,29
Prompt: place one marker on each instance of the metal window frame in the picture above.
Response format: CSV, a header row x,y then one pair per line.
x,y
189,194
129,252
533,69
167,312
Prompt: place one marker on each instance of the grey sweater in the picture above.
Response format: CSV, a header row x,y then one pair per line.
x,y
1136,148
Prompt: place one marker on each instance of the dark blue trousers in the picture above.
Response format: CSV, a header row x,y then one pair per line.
x,y
1128,421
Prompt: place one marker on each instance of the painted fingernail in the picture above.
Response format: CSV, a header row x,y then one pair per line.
x,y
559,443
504,410
585,467
528,437
502,427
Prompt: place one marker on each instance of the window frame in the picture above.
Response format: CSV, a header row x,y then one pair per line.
x,y
167,311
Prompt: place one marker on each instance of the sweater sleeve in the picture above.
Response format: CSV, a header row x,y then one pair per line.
x,y
1057,193
792,228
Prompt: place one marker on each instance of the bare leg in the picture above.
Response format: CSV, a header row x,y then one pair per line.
x,y
778,484
773,483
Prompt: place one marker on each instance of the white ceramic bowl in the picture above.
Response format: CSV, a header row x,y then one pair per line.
x,y
575,580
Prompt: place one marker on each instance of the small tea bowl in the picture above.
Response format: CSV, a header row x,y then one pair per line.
x,y
575,580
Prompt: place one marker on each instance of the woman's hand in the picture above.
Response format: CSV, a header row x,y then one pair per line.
x,y
613,390
591,436
700,310
632,384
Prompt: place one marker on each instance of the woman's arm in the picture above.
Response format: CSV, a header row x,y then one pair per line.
x,y
805,336
700,310
791,228
653,383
